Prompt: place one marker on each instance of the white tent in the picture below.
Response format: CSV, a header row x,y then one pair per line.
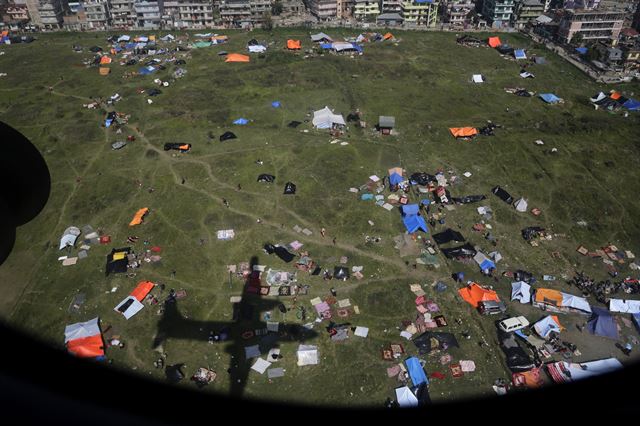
x,y
124,38
339,46
69,237
575,302
80,330
261,365
168,37
478,78
131,309
320,37
496,256
526,74
258,48
325,118
598,98
521,205
360,38
307,355
521,291
624,306
405,397
545,326
568,371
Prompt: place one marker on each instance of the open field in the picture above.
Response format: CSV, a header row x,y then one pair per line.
x,y
424,81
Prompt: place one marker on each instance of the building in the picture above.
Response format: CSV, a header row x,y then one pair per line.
x,y
366,10
389,19
323,10
46,14
194,14
636,19
590,24
292,7
420,12
580,4
526,11
15,13
235,13
455,12
258,10
392,6
97,12
148,14
171,14
75,18
123,14
498,12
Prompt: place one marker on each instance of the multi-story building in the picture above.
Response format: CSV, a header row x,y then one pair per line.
x,y
292,7
498,12
75,19
580,4
366,10
455,12
590,24
235,13
16,13
392,6
420,12
636,19
324,10
97,12
258,10
526,11
148,14
123,14
193,13
171,14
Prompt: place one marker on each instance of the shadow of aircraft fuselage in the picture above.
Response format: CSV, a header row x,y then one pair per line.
x,y
247,318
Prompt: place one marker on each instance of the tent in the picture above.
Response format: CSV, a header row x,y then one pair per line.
x,y
540,60
562,372
550,98
494,42
478,78
139,216
416,372
463,132
132,304
307,355
575,302
464,251
636,320
321,37
519,54
414,223
236,57
84,339
289,188
410,209
341,46
275,104
521,291
548,297
241,121
548,324
395,178
484,262
582,50
341,273
147,70
624,306
474,294
105,60
602,324
502,194
405,397
526,74
227,135
325,118
433,340
201,44
69,237
632,105
447,236
117,261
266,178
521,205
258,48
294,44
388,36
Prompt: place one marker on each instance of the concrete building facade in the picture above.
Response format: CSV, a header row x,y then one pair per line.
x,y
590,24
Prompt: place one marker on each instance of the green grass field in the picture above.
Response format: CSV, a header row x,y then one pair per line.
x,y
424,81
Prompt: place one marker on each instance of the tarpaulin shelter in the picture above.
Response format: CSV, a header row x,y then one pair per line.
x,y
105,60
422,178
241,121
575,302
236,57
325,119
636,320
465,251
341,273
395,178
602,324
521,291
405,397
289,188
258,48
548,324
447,236
467,199
388,36
477,78
227,135
624,306
139,216
521,205
341,46
631,105
266,178
307,355
550,98
540,60
410,209
416,372
502,194
494,42
563,372
275,104
433,340
69,237
414,223
117,261
484,262
474,294
519,54
182,147
582,50
147,70
84,339
201,44
219,39
321,37
529,379
294,44
526,74
555,298
463,132
132,304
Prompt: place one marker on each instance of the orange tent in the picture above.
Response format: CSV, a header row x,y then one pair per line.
x,y
104,70
463,132
4,34
615,95
105,60
220,38
141,291
387,36
137,218
236,57
494,42
474,294
557,321
86,347
294,44
551,297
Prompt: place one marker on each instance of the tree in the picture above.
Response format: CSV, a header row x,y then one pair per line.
x,y
277,8
577,39
267,23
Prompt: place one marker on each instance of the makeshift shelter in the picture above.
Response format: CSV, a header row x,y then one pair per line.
x,y
307,355
294,44
388,36
132,304
236,57
341,273
602,324
84,339
431,341
447,236
69,237
104,70
105,60
266,178
502,194
521,205
550,98
521,291
415,223
258,48
484,262
463,132
241,121
416,372
526,74
494,42
582,50
624,306
321,37
326,119
477,78
547,325
505,49
519,54
139,216
227,136
117,261
289,188
564,372
474,294
464,251
556,300
539,60
575,302
182,147
386,124
548,297
405,397
341,46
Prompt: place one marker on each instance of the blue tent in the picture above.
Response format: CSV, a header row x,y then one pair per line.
x,y
550,98
326,45
129,45
425,202
487,264
602,323
416,372
146,70
414,223
241,121
519,54
395,179
632,105
582,50
275,104
410,209
357,47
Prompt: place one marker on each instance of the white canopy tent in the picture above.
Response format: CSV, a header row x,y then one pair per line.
x,y
69,237
258,48
575,302
307,355
521,205
325,118
624,306
131,309
478,78
521,291
405,397
80,330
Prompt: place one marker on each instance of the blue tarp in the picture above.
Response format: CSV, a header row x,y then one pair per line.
x,y
129,45
416,372
414,223
425,202
326,45
519,54
632,105
357,47
108,122
549,98
366,197
146,70
275,104
241,121
395,179
487,264
410,209
582,50
602,323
